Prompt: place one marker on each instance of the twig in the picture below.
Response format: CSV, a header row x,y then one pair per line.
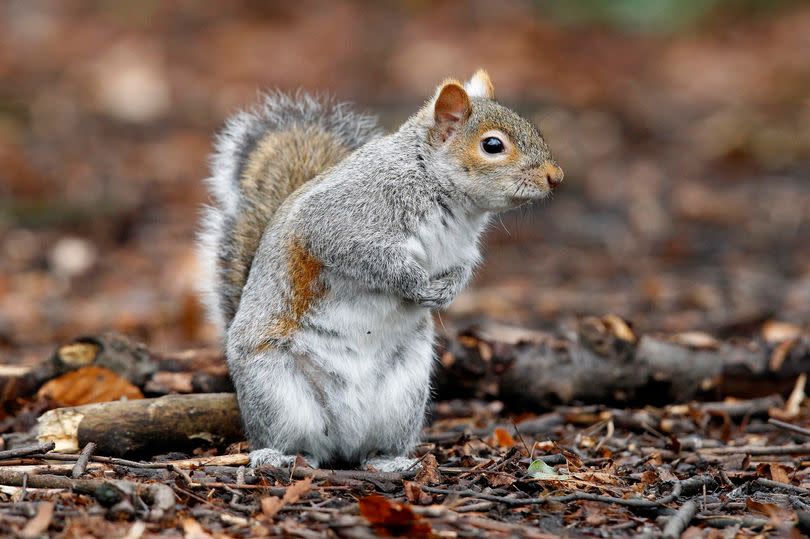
x,y
81,464
781,486
639,503
477,506
27,450
758,450
678,522
723,521
790,427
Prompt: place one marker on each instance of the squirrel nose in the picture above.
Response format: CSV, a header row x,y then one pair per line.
x,y
552,173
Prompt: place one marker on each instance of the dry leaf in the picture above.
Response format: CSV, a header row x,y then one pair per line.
x,y
415,494
393,519
273,504
88,385
502,438
429,473
39,524
193,530
778,473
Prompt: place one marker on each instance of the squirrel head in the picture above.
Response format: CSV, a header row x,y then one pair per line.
x,y
497,157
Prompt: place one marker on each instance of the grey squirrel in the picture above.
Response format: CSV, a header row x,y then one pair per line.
x,y
330,244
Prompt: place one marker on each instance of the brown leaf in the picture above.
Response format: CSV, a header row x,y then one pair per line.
x,y
393,519
429,473
415,494
778,473
41,521
497,480
503,438
273,504
193,530
87,385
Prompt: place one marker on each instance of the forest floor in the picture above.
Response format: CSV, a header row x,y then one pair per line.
x,y
683,220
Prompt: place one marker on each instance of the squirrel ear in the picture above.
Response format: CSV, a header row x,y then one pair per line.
x,y
480,85
450,107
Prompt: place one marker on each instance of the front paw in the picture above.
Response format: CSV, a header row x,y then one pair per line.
x,y
439,294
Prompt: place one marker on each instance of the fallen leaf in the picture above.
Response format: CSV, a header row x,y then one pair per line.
x,y
40,523
429,473
503,438
273,504
193,530
87,385
778,473
393,519
540,470
415,494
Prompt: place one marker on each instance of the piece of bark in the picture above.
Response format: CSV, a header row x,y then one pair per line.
x,y
148,426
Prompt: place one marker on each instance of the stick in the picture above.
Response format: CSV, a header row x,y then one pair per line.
x,y
42,447
757,450
790,427
678,522
81,464
782,486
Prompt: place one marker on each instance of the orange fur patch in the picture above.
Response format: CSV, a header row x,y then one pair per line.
x,y
305,289
470,155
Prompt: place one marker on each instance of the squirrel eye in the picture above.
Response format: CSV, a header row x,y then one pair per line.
x,y
492,145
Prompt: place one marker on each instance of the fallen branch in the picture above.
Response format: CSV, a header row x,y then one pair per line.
x,y
531,368
170,423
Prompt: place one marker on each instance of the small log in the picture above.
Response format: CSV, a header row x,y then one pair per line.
x,y
539,370
147,426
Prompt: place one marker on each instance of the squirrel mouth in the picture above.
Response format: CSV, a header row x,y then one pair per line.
x,y
527,191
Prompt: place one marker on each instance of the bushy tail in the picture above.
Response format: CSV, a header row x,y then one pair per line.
x,y
260,157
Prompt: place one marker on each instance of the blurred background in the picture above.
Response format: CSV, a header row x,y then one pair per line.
x,y
683,127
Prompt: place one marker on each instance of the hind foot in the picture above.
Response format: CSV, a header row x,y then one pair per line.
x,y
391,464
273,457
